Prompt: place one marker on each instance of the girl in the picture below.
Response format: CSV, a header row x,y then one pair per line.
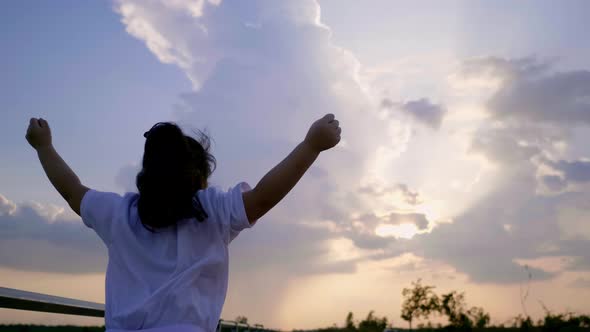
x,y
168,245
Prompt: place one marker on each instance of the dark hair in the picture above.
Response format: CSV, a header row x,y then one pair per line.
x,y
174,167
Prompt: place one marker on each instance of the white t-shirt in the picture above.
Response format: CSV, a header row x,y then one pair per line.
x,y
172,280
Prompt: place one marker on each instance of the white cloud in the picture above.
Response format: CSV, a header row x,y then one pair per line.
x,y
263,70
522,142
7,207
261,90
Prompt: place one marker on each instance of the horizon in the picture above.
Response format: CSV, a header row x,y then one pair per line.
x,y
463,158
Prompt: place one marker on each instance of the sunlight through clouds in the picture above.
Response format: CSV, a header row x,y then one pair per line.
x,y
403,230
463,159
427,136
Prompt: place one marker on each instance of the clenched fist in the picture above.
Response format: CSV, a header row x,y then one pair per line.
x,y
38,133
324,133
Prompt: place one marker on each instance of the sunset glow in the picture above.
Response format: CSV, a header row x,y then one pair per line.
x,y
464,160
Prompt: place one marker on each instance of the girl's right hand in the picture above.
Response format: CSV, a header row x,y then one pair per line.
x,y
38,133
323,134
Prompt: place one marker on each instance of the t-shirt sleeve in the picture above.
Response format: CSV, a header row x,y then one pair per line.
x,y
229,209
98,210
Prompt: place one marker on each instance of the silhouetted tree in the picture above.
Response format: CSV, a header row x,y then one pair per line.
x,y
479,317
242,319
419,301
562,322
523,323
349,324
373,323
453,306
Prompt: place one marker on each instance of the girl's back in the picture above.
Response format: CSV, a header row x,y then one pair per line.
x,y
174,278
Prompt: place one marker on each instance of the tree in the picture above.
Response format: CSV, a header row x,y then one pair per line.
x,y
373,323
242,319
419,301
452,305
479,317
349,324
561,322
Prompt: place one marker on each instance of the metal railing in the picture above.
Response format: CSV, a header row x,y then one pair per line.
x,y
11,298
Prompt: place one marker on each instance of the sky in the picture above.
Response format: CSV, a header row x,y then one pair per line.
x,y
464,158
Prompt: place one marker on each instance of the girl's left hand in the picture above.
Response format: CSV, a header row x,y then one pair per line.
x,y
38,133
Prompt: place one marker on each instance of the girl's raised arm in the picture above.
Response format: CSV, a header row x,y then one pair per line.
x,y
274,186
59,173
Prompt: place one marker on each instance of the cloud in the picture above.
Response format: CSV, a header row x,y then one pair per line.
x,y
199,38
421,110
554,182
564,175
505,145
504,69
265,71
531,90
575,171
6,207
580,283
34,241
478,244
514,221
301,250
262,71
168,49
417,219
399,191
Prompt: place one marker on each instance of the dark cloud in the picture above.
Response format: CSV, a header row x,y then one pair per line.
x,y
478,244
417,219
410,197
297,249
574,171
28,241
554,182
580,283
530,91
501,145
368,240
569,172
555,98
421,110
